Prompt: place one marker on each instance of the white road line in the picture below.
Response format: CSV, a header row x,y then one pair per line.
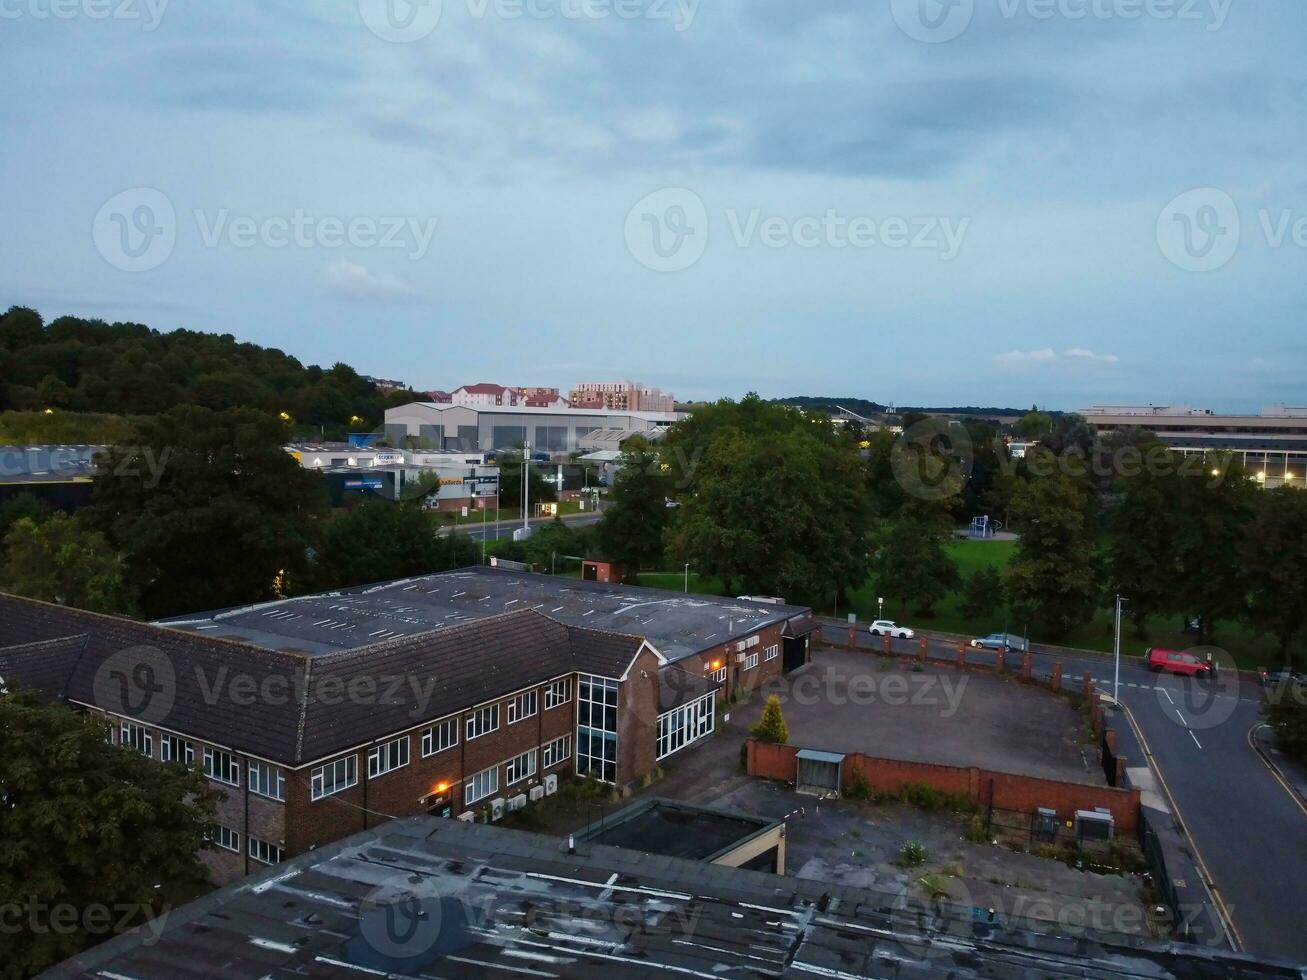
x,y
1195,738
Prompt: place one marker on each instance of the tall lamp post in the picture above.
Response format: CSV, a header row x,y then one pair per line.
x,y
526,489
1116,653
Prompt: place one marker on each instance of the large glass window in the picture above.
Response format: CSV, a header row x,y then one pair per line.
x,y
481,785
681,726
439,737
334,777
388,756
266,780
596,727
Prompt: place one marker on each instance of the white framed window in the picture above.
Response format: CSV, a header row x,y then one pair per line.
x,y
266,780
334,777
483,784
174,749
137,737
222,767
596,727
441,736
773,652
265,853
559,750
521,767
483,721
681,726
388,757
558,692
719,675
750,661
522,706
225,837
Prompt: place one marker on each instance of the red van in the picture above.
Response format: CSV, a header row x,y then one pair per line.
x,y
1178,662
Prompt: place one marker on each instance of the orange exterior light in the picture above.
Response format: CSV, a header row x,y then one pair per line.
x,y
716,665
442,787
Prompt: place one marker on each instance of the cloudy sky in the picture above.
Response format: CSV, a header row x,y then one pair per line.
x,y
1061,202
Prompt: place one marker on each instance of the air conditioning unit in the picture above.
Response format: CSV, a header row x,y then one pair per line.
x,y
537,793
551,784
517,802
740,646
469,817
739,657
497,808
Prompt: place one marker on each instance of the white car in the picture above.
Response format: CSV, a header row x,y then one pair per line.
x,y
887,627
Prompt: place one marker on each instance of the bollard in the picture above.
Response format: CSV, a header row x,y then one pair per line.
x,y
962,654
1025,668
1000,660
922,646
887,643
853,640
1057,677
1089,684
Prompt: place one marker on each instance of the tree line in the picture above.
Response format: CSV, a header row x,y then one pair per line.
x,y
86,365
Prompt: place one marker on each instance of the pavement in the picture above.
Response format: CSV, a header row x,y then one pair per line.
x,y
1245,827
849,702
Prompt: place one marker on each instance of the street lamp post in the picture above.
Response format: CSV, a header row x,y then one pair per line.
x,y
1116,654
526,489
880,607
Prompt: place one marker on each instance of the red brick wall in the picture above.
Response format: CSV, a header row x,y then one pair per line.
x,y
1019,794
737,678
637,719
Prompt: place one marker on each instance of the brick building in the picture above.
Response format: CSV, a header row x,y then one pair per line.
x,y
322,716
621,396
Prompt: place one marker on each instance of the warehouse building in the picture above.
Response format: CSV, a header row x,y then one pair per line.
x,y
492,428
454,694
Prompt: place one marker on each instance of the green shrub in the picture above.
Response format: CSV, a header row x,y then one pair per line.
x,y
771,727
858,788
912,854
977,830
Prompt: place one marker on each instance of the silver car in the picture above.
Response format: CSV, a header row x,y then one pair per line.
x,y
1002,641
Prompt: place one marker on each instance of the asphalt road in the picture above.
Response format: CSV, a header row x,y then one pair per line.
x,y
495,530
1247,829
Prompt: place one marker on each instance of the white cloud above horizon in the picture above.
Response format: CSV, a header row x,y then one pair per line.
x,y
1071,357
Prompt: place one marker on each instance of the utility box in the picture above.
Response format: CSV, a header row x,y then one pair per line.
x,y
1094,825
1046,823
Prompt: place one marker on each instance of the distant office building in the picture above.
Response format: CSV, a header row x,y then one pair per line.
x,y
474,428
442,397
621,396
387,384
460,479
1272,445
485,395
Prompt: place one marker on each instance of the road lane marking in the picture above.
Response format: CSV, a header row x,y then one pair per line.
x,y
1195,738
1222,913
1270,768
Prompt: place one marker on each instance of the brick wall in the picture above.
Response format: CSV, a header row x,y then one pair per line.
x,y
1010,791
737,678
637,719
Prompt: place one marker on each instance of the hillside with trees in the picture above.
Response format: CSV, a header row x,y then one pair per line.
x,y
76,365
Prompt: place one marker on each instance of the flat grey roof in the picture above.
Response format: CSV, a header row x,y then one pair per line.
x,y
677,624
426,897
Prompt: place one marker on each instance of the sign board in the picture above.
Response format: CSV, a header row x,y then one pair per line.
x,y
465,510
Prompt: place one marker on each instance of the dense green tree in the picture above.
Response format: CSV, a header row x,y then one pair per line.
x,y
1274,557
1053,578
1034,424
636,514
377,540
127,368
782,513
1286,712
209,509
16,508
910,564
1143,562
60,560
552,545
983,594
87,826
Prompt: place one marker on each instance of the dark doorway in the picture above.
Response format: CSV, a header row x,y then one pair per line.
x,y
796,653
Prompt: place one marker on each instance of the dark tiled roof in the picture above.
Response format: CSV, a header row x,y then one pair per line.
x,y
283,706
43,666
800,625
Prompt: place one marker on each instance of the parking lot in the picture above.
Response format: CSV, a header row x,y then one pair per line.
x,y
859,702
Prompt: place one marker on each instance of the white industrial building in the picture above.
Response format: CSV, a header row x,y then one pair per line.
x,y
474,429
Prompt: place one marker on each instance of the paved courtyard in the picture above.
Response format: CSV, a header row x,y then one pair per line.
x,y
846,701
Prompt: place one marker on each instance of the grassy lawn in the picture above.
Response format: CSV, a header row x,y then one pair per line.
x,y
1249,649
